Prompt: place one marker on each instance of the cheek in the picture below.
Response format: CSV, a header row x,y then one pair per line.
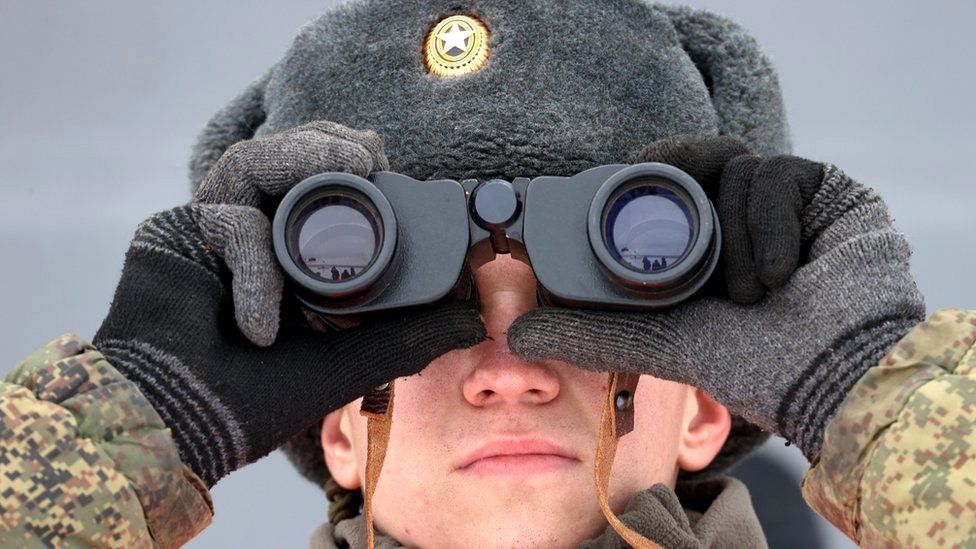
x,y
412,438
415,461
648,454
432,393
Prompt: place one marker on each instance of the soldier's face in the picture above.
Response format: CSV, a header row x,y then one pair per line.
x,y
487,450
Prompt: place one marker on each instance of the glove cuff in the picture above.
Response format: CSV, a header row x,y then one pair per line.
x,y
813,400
208,437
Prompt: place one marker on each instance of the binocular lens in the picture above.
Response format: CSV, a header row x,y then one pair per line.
x,y
335,236
648,227
654,232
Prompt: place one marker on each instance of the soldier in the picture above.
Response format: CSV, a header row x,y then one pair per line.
x,y
818,335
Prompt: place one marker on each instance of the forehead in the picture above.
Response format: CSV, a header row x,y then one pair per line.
x,y
566,86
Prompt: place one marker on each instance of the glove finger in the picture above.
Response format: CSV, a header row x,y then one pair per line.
x,y
355,361
603,341
251,170
703,157
774,212
241,235
368,139
738,264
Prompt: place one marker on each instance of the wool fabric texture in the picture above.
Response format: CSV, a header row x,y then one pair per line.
x,y
555,98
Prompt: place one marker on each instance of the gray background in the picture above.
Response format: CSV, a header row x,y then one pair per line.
x,y
101,100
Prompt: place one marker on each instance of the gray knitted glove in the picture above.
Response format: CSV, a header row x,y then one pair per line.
x,y
245,180
786,362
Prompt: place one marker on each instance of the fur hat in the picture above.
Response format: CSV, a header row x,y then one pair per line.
x,y
567,86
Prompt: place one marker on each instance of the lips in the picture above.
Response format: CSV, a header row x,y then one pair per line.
x,y
517,456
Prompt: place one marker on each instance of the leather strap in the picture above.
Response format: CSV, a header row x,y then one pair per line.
x,y
616,421
377,407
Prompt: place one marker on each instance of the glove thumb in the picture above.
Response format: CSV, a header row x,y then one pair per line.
x,y
602,341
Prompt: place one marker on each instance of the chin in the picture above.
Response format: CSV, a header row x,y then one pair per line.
x,y
507,536
550,522
502,512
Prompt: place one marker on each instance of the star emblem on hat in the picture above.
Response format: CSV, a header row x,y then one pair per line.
x,y
456,45
455,38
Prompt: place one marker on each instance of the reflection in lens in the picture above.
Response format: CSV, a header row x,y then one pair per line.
x,y
336,237
648,228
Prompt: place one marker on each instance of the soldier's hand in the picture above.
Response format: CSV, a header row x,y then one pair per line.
x,y
246,179
195,318
759,202
785,346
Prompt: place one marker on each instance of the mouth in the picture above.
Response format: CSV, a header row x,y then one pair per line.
x,y
517,457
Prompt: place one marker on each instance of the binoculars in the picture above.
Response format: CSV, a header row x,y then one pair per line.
x,y
617,236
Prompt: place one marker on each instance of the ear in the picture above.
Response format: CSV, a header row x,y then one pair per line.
x,y
238,120
741,80
340,456
706,428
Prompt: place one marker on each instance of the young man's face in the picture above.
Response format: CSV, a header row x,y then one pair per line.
x,y
488,450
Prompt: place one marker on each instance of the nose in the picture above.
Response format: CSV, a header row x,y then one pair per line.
x,y
506,289
500,378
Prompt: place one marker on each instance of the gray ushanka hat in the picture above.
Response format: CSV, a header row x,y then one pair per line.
x,y
567,86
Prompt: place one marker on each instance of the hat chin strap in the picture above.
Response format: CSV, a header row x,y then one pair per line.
x,y
616,421
377,406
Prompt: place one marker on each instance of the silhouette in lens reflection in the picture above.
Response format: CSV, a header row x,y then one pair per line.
x,y
337,237
648,221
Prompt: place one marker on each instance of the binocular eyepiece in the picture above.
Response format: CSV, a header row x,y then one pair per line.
x,y
614,237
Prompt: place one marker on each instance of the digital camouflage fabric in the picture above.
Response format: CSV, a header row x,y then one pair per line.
x,y
896,468
86,462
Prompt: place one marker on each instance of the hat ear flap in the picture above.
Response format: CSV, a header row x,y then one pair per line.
x,y
236,121
741,80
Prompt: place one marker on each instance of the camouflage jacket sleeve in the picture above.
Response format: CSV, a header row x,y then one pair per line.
x,y
897,468
86,462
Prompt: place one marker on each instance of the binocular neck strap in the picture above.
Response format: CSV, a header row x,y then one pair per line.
x,y
377,406
616,421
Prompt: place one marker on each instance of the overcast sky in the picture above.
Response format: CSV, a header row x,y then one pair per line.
x,y
100,102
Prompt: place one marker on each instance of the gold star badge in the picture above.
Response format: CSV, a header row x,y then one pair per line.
x,y
456,45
